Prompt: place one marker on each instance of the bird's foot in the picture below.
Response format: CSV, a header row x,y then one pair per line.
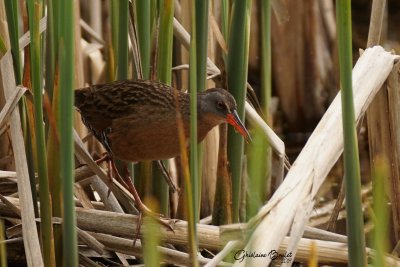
x,y
143,209
110,169
155,216
126,181
106,157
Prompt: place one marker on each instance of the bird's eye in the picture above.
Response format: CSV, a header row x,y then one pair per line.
x,y
221,105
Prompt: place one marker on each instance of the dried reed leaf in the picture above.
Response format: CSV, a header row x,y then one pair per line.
x,y
26,38
184,37
8,174
116,188
394,125
322,150
299,223
90,241
218,35
31,238
126,246
109,225
276,143
280,10
91,32
11,206
11,103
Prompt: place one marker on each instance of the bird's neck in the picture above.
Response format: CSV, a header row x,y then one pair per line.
x,y
202,130
204,125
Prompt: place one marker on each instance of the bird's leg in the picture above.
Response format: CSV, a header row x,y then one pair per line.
x,y
107,157
166,176
139,224
126,181
140,205
110,175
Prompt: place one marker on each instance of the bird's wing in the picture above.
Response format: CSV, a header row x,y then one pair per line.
x,y
101,104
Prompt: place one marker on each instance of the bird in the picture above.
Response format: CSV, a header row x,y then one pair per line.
x,y
135,120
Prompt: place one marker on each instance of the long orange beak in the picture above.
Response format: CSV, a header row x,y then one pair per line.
x,y
234,120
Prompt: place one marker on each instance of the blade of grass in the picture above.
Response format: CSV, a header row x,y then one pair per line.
x,y
12,21
142,65
313,260
29,229
143,21
152,233
12,8
133,32
266,79
266,87
382,138
51,49
355,224
112,66
164,74
381,212
3,48
164,53
193,193
122,50
260,151
238,46
193,248
201,35
53,139
151,236
222,210
256,169
120,25
35,14
121,53
225,22
149,176
394,122
70,245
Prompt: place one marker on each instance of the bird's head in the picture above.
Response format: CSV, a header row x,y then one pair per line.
x,y
218,106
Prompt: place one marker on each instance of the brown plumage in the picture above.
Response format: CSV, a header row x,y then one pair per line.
x,y
136,120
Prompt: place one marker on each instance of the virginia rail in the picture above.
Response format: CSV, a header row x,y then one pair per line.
x,y
136,120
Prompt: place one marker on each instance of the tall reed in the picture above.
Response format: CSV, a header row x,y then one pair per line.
x,y
381,212
52,90
238,48
66,44
259,160
35,9
193,186
355,223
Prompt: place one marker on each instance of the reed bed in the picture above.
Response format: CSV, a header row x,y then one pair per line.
x,y
270,202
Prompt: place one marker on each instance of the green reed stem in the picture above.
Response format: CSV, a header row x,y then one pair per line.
x,y
238,45
70,245
35,14
355,223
